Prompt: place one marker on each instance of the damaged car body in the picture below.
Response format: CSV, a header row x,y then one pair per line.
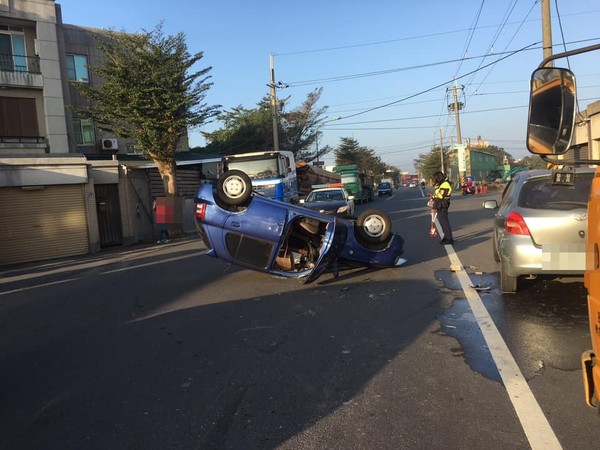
x,y
246,229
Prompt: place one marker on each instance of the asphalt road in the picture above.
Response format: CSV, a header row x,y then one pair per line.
x,y
163,347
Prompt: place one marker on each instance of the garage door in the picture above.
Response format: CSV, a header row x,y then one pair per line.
x,y
42,223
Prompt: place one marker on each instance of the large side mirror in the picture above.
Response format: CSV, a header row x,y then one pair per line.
x,y
551,111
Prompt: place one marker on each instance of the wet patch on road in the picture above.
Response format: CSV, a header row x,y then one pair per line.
x,y
459,322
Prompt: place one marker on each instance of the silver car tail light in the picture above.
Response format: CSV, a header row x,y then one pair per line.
x,y
515,224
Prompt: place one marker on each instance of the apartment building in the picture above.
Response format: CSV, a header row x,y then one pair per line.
x,y
65,189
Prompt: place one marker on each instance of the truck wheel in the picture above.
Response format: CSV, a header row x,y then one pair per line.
x,y
234,187
373,226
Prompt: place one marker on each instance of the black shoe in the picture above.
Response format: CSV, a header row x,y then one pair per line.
x,y
447,241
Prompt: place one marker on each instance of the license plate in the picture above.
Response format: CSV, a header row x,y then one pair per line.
x,y
566,178
559,257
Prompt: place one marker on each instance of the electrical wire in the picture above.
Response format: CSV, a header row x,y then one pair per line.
x,y
293,84
409,38
527,47
470,38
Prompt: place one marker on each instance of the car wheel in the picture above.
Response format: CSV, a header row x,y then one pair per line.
x,y
508,283
373,226
234,187
495,246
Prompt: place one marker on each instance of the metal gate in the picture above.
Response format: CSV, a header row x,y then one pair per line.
x,y
42,222
108,209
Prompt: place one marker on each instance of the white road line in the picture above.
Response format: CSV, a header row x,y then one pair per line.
x,y
534,422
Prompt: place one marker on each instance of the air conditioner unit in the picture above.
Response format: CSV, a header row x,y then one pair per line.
x,y
110,144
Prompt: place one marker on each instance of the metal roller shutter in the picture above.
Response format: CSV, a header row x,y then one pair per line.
x,y
42,224
188,181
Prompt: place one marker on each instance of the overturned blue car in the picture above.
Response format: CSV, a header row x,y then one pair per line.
x,y
244,228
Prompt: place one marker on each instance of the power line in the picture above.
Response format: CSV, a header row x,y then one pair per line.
x,y
409,38
526,48
468,44
441,84
404,69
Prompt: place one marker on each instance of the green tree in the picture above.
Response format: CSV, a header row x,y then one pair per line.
x,y
247,130
300,128
499,153
149,92
244,130
533,162
351,152
429,163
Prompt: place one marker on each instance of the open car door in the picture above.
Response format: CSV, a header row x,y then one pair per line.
x,y
333,243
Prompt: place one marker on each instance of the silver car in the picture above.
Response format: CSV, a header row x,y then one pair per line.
x,y
540,226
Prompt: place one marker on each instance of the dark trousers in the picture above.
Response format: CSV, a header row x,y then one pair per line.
x,y
442,217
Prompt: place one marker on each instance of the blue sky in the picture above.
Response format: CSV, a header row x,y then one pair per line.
x,y
366,55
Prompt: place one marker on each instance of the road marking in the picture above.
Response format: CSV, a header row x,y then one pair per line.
x,y
534,422
95,265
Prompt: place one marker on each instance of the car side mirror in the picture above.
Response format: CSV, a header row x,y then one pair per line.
x,y
551,111
302,201
490,204
351,197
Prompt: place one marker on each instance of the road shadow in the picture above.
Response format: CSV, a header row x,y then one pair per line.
x,y
182,364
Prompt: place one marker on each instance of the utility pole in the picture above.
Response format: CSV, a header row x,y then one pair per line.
x,y
442,150
455,107
274,104
317,141
546,30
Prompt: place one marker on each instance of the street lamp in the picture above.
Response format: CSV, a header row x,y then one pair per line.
x,y
333,119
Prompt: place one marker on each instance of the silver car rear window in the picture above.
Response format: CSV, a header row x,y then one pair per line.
x,y
540,193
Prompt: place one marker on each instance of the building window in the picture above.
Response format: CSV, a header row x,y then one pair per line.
x,y
12,52
77,68
18,117
84,132
134,149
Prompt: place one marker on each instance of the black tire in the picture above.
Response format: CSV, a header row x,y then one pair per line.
x,y
508,283
373,226
234,187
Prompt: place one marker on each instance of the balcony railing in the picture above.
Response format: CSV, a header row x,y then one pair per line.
x,y
19,63
23,140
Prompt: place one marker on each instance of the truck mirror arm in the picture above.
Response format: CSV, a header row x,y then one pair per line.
x,y
577,51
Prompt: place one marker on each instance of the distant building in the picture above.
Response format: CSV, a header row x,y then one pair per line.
x,y
478,163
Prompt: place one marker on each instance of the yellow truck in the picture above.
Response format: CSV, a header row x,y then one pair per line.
x,y
553,118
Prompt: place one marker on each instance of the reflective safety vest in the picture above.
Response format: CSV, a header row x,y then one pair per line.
x,y
444,190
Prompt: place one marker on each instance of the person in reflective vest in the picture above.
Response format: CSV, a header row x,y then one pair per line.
x,y
441,203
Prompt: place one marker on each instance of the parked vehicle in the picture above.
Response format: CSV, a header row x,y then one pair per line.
x,y
273,174
357,183
540,226
330,199
262,234
384,188
551,128
309,175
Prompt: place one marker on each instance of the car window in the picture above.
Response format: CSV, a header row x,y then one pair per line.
x,y
507,194
337,195
540,193
248,250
